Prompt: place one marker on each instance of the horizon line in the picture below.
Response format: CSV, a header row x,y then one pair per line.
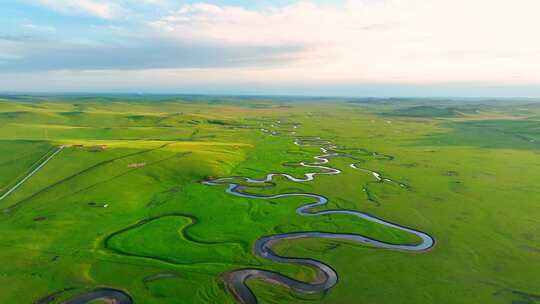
x,y
322,96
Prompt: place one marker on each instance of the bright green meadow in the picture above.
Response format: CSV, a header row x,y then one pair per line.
x,y
122,205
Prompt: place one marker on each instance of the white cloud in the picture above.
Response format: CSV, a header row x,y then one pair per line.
x,y
480,42
97,8
39,28
380,41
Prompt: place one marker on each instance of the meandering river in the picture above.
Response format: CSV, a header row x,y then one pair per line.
x,y
327,277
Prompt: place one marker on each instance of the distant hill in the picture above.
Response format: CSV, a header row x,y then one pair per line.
x,y
432,111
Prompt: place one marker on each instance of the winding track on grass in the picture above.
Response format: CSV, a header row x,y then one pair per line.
x,y
327,277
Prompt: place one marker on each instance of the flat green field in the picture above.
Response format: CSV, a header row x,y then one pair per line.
x,y
123,205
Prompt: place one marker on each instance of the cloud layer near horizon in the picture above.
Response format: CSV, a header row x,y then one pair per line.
x,y
489,42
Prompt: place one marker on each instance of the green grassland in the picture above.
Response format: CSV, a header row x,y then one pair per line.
x,y
123,206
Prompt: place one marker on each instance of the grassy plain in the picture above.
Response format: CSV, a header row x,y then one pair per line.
x,y
123,207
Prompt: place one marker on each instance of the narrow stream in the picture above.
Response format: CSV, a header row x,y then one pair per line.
x,y
327,277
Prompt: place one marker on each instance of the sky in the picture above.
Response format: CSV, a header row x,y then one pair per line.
x,y
473,48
